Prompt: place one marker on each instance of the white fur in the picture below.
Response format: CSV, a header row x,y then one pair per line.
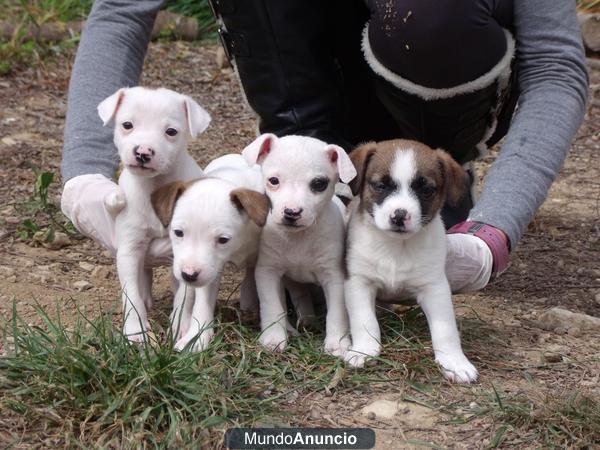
x,y
384,265
499,70
311,252
204,213
151,112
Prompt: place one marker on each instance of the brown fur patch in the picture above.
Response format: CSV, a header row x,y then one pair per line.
x,y
456,178
164,198
373,162
255,204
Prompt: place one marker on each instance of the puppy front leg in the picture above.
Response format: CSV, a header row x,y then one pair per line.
x,y
146,287
337,340
364,328
183,304
273,318
130,262
436,302
202,318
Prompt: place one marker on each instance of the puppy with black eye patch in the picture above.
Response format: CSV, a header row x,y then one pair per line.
x,y
396,244
303,239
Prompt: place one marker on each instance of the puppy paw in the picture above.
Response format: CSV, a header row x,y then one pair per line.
x,y
273,339
135,332
336,346
115,201
457,368
199,344
357,356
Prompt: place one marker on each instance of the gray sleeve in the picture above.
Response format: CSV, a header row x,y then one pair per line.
x,y
553,93
110,56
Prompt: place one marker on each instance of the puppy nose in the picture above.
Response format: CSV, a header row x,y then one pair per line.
x,y
292,214
399,217
143,154
189,277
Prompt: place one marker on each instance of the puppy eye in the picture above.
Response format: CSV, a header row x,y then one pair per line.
x,y
127,125
378,186
171,131
273,181
427,190
178,233
319,184
223,239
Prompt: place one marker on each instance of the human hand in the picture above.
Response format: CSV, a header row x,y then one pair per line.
x,y
471,261
92,202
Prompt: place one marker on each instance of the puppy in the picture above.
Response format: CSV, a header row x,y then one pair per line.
x,y
396,243
303,239
213,221
152,128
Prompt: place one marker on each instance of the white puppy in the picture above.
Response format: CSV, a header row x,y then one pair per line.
x,y
303,239
213,221
396,243
152,128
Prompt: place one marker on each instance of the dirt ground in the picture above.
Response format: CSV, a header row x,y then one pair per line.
x,y
556,264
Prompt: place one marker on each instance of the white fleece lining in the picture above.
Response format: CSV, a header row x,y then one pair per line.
x,y
434,94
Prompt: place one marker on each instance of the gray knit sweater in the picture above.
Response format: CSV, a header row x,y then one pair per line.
x,y
552,77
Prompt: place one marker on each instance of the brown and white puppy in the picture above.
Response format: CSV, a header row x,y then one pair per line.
x,y
212,221
396,244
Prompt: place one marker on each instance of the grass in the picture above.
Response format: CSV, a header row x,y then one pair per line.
x,y
20,52
589,5
87,385
84,385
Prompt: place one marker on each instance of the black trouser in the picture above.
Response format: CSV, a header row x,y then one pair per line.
x,y
303,72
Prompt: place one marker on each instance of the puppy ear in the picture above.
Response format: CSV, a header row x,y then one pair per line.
x,y
339,157
164,199
107,109
255,204
456,179
360,158
256,152
197,117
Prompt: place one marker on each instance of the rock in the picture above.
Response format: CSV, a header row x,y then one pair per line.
x,y
381,409
87,266
11,279
590,30
60,240
82,285
561,320
597,298
315,414
221,58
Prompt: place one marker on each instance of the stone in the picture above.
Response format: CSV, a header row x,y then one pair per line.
x,y
82,285
590,30
381,409
86,266
561,320
221,58
60,240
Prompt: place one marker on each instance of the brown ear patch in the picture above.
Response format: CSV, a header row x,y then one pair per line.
x,y
360,158
253,203
456,178
164,198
